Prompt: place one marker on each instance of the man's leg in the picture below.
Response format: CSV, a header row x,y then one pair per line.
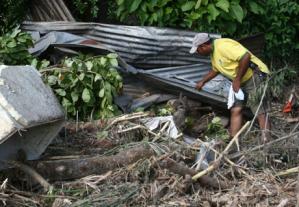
x,y
235,120
264,126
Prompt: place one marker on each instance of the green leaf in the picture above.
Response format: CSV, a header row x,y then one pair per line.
x,y
15,32
74,96
89,65
112,55
198,3
45,63
12,44
103,61
134,5
236,11
97,77
52,80
86,95
255,8
213,12
223,4
162,3
103,103
66,103
205,2
101,93
188,6
60,92
113,62
119,2
81,76
34,63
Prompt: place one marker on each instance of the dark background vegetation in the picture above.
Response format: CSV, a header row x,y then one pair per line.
x,y
277,19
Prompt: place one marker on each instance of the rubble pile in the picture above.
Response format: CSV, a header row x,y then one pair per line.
x,y
125,161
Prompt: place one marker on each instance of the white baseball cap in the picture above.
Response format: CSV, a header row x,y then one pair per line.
x,y
199,39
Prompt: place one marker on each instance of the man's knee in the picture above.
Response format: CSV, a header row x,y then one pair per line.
x,y
237,110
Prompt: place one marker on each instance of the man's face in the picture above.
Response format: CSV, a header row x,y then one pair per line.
x,y
204,49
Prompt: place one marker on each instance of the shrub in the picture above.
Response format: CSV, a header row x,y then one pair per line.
x,y
86,85
12,13
14,48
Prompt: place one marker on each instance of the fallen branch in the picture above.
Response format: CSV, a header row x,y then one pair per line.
x,y
77,168
288,171
218,160
32,173
183,170
238,154
127,117
229,161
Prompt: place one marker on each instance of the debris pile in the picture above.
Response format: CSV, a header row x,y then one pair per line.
x,y
125,162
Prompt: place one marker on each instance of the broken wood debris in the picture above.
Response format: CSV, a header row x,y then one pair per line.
x,y
142,167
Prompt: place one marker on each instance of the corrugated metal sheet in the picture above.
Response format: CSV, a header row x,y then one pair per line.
x,y
143,47
49,10
150,47
183,79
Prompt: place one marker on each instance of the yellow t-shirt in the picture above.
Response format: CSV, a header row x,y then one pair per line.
x,y
226,56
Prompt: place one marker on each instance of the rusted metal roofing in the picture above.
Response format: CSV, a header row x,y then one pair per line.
x,y
161,55
49,10
143,47
183,79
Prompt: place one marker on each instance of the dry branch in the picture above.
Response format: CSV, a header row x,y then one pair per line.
x,y
32,173
288,171
225,151
183,170
238,154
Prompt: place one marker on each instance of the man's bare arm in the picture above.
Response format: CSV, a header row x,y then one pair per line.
x,y
241,70
212,74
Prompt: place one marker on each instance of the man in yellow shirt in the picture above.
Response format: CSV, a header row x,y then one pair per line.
x,y
245,70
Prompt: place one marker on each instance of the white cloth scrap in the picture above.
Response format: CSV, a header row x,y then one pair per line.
x,y
155,122
232,96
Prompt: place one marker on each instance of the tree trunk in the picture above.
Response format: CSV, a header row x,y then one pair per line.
x,y
76,168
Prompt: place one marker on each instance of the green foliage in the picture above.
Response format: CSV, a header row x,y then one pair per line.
x,y
276,84
216,130
279,79
278,20
87,85
233,18
186,14
85,10
165,111
12,13
14,48
161,110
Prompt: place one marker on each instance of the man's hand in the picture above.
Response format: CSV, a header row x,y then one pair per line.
x,y
199,85
236,84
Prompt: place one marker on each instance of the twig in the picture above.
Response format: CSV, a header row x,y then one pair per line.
x,y
217,162
35,175
229,161
126,118
161,131
288,171
294,129
263,145
129,129
283,202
